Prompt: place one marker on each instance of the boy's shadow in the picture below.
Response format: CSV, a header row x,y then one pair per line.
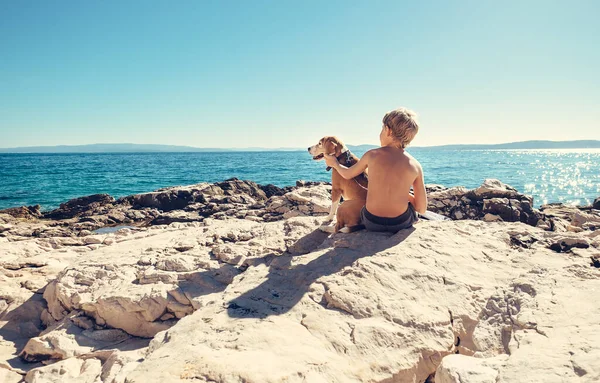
x,y
287,283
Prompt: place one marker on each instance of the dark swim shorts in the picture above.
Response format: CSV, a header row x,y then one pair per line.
x,y
376,223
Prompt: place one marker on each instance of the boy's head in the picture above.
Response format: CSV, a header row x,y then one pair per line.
x,y
402,124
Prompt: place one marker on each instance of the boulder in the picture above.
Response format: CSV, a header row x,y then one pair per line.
x,y
165,199
270,190
303,201
8,376
176,216
24,212
83,206
492,198
234,186
566,217
466,369
72,370
302,183
502,207
432,188
66,338
180,197
110,298
493,188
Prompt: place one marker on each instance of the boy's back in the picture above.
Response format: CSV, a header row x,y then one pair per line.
x,y
392,172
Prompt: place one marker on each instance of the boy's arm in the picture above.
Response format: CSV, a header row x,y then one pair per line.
x,y
354,170
419,200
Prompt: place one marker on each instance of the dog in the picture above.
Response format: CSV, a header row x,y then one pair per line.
x,y
353,191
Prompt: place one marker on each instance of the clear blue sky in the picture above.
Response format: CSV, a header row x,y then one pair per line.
x,y
283,74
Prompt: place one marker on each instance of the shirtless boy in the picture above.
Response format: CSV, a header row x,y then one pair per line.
x,y
392,172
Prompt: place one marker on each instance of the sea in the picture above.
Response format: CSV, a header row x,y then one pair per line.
x,y
570,176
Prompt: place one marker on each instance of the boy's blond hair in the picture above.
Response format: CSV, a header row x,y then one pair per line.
x,y
403,123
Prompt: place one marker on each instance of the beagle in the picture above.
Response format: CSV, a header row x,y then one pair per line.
x,y
354,191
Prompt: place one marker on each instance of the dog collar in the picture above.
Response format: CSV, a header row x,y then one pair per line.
x,y
345,153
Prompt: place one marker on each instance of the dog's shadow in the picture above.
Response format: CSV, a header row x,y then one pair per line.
x,y
289,279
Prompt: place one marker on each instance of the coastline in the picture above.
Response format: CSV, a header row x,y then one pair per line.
x,y
491,201
571,178
229,272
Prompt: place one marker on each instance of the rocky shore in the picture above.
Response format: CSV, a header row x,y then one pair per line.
x,y
233,282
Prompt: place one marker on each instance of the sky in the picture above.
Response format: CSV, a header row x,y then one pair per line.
x,y
235,74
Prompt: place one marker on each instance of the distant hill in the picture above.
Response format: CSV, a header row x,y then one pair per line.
x,y
131,148
580,144
109,148
142,148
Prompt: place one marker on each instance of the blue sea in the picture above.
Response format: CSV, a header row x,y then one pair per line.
x,y
569,176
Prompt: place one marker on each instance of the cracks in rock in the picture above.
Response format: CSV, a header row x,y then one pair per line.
x,y
519,240
595,261
508,333
352,333
456,342
503,315
328,302
303,324
540,332
577,369
459,378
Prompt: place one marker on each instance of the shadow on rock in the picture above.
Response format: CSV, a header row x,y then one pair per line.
x,y
21,324
289,279
206,282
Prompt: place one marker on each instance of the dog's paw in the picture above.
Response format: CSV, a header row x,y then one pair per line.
x,y
344,230
328,218
327,228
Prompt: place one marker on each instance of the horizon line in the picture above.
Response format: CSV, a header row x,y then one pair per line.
x,y
286,147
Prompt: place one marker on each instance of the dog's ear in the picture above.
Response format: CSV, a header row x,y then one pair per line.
x,y
328,145
336,145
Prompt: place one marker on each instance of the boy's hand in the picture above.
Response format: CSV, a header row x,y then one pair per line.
x,y
331,160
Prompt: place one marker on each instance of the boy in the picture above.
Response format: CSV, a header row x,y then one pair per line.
x,y
392,172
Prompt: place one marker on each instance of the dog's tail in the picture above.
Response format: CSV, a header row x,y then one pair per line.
x,y
348,229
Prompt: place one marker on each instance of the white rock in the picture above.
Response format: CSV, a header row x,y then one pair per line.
x,y
72,370
466,369
341,308
93,239
231,254
491,218
494,188
176,263
8,376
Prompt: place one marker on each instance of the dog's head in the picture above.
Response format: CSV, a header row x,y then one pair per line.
x,y
327,145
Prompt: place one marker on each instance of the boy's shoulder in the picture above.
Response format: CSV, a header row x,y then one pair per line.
x,y
385,150
413,160
384,153
376,151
